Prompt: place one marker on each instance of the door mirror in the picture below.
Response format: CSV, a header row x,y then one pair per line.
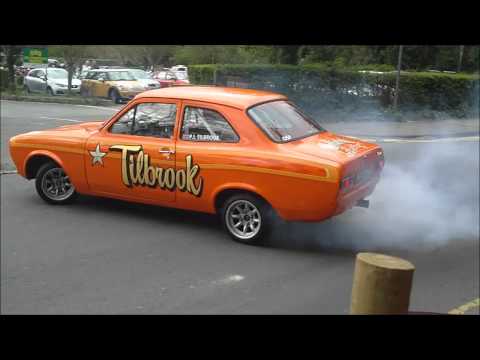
x,y
101,79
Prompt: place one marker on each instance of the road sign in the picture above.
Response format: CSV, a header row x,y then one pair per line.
x,y
35,55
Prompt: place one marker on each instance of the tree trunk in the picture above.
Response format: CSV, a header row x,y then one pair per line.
x,y
71,69
11,51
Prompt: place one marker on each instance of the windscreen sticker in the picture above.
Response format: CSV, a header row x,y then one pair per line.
x,y
136,170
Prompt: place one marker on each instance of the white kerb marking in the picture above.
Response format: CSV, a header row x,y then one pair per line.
x,y
228,280
60,119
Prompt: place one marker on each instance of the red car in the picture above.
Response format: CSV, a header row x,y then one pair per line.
x,y
169,78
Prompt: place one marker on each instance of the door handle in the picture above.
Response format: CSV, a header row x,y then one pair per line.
x,y
166,151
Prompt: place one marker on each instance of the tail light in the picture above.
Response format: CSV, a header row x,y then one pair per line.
x,y
381,158
346,183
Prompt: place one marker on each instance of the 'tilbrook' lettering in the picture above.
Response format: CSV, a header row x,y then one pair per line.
x,y
136,170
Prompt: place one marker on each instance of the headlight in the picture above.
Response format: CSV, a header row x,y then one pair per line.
x,y
60,85
121,87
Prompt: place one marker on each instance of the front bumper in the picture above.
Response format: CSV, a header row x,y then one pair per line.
x,y
63,91
129,94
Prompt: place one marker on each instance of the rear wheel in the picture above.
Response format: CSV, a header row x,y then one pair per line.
x,y
246,218
53,185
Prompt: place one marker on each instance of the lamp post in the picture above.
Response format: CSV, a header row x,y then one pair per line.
x,y
397,83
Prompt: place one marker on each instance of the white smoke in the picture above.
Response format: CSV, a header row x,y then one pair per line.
x,y
428,196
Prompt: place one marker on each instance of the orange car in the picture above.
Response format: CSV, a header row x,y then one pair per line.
x,y
237,152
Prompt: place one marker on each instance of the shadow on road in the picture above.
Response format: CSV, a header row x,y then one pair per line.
x,y
284,236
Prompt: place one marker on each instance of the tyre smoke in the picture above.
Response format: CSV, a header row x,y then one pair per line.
x,y
427,197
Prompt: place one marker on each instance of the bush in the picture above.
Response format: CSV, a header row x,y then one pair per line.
x,y
324,89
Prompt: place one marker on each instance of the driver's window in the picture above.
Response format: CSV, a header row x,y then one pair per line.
x,y
148,119
125,124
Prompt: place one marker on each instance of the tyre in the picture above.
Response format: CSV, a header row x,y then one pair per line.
x,y
50,91
53,185
115,96
247,218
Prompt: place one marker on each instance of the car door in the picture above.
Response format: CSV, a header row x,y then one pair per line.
x,y
205,139
30,80
41,81
34,81
102,85
133,157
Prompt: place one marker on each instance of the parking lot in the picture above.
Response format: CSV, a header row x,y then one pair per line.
x,y
102,256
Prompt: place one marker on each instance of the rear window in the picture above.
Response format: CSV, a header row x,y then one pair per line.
x,y
283,122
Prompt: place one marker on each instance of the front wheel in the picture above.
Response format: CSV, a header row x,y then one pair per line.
x,y
50,91
247,219
53,185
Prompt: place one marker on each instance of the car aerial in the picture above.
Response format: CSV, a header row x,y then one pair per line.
x,y
250,156
54,81
116,84
145,78
168,78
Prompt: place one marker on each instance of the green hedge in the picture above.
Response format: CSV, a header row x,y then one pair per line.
x,y
324,89
3,79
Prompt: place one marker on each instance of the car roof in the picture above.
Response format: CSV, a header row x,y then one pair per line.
x,y
110,70
235,97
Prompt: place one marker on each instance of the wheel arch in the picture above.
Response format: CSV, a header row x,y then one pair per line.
x,y
36,159
224,192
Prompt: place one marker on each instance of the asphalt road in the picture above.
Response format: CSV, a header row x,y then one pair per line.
x,y
101,256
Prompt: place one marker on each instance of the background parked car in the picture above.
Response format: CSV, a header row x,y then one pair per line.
x,y
145,78
168,78
54,81
116,84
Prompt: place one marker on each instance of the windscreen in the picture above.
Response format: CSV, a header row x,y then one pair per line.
x,y
120,76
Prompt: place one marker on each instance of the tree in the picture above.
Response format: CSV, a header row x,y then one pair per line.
x,y
12,52
287,54
74,56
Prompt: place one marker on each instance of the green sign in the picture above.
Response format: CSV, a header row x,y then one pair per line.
x,y
35,55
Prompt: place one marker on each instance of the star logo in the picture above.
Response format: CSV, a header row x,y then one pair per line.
x,y
97,155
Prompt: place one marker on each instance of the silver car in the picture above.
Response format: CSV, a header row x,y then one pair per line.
x,y
52,80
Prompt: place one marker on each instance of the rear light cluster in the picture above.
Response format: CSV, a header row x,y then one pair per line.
x,y
347,183
381,158
362,176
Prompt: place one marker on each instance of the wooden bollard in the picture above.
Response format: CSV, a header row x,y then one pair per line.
x,y
381,285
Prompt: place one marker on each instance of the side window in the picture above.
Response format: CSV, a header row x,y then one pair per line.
x,y
124,125
34,74
206,125
148,119
155,119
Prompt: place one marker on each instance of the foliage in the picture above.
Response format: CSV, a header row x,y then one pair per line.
x,y
323,88
3,79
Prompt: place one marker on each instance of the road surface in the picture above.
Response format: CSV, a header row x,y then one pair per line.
x,y
101,256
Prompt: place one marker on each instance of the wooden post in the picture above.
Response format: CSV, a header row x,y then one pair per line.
x,y
381,285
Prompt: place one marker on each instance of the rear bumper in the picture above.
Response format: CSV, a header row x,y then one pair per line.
x,y
349,200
